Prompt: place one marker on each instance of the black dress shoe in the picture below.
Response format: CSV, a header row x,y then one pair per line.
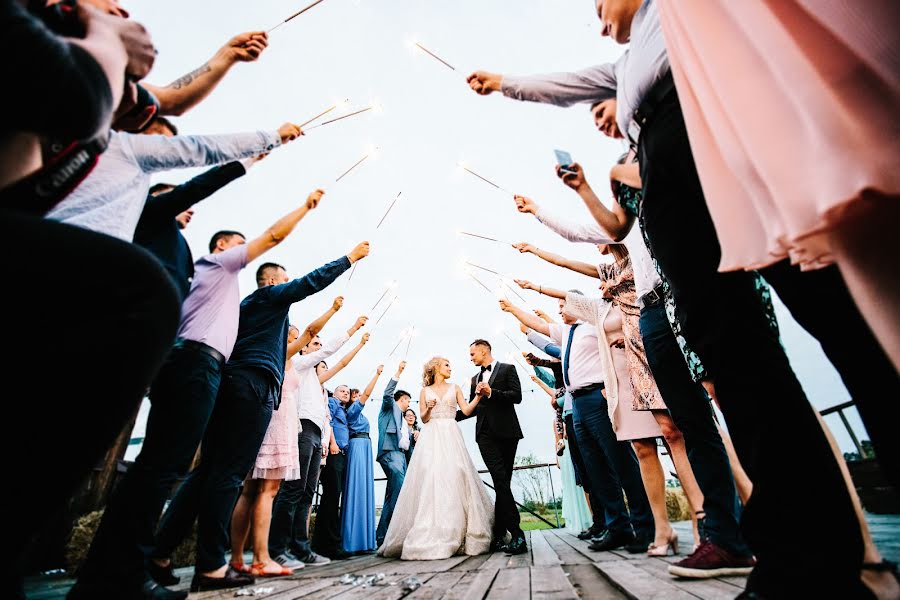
x,y
162,575
497,545
232,579
591,532
640,544
516,546
338,555
153,591
612,540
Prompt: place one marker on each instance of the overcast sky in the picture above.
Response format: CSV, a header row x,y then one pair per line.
x,y
358,49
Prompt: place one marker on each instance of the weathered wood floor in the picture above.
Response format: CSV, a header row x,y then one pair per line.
x,y
558,566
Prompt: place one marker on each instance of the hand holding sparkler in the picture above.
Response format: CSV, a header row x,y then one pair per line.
x,y
484,82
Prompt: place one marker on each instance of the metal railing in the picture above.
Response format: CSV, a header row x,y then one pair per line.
x,y
839,409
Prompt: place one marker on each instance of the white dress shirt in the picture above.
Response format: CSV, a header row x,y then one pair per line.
x,y
486,376
646,278
585,367
110,200
312,401
628,80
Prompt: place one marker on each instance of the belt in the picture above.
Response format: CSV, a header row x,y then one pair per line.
x,y
587,390
361,434
181,344
644,112
653,297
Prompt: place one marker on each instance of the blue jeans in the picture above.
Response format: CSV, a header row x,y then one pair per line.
x,y
235,433
393,463
611,466
689,406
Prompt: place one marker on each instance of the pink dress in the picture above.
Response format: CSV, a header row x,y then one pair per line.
x,y
791,108
279,455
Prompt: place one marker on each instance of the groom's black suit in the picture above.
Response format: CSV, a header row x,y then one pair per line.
x,y
497,433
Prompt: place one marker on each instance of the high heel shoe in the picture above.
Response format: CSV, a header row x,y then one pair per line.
x,y
663,550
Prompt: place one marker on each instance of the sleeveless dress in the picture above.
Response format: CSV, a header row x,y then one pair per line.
x,y
443,508
279,455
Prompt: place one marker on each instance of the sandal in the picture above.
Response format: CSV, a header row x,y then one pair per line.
x,y
240,567
258,570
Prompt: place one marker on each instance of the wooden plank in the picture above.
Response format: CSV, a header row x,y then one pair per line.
x,y
339,567
471,563
301,588
567,554
438,586
392,589
413,567
589,583
707,589
473,586
638,584
544,555
582,547
551,583
498,560
511,584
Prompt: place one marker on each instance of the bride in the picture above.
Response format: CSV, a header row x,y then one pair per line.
x,y
443,508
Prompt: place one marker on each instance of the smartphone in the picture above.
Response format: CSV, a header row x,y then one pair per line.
x,y
564,159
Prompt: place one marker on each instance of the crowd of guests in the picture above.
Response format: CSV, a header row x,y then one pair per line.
x,y
764,151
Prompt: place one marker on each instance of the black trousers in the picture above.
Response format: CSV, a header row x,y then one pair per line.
x,y
290,511
800,504
581,475
238,424
182,397
326,538
499,455
108,313
820,301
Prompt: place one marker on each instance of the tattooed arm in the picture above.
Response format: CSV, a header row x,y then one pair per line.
x,y
188,90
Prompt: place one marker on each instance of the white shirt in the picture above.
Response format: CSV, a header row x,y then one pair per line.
x,y
312,401
584,363
110,200
486,376
628,80
646,278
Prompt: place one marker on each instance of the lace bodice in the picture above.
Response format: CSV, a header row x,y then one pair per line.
x,y
446,406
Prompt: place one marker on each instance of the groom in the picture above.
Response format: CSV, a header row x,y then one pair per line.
x,y
497,433
393,442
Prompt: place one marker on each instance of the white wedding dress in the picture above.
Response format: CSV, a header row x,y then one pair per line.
x,y
443,508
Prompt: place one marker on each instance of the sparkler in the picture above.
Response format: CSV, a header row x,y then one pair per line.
x,y
295,15
322,124
388,210
484,179
483,237
386,310
391,285
324,112
356,164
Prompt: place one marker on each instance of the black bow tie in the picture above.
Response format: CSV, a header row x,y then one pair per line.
x,y
487,368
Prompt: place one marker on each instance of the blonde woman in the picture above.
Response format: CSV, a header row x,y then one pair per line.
x,y
443,508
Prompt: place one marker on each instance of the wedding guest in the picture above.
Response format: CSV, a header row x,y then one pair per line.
x,y
289,532
394,441
182,400
358,517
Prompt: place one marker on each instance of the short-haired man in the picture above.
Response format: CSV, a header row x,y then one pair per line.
x,y
393,442
182,399
497,433
250,391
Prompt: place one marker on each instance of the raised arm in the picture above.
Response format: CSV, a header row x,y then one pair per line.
x,y
387,398
560,261
345,360
583,308
543,344
313,329
467,407
188,90
546,291
616,222
319,279
366,393
628,173
562,89
550,392
525,318
282,228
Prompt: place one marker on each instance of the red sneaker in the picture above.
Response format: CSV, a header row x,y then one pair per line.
x,y
710,560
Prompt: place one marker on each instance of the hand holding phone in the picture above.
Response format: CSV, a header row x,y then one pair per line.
x,y
564,159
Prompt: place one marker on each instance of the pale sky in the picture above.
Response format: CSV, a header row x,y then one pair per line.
x,y
358,49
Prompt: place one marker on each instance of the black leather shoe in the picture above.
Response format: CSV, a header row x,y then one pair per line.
x,y
153,591
516,546
612,540
640,544
498,545
590,533
162,575
232,579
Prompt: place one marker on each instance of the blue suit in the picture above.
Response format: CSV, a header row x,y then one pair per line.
x,y
391,458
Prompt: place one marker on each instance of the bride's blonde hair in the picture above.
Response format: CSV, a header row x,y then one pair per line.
x,y
430,370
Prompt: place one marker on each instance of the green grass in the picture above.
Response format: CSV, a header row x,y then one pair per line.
x,y
530,523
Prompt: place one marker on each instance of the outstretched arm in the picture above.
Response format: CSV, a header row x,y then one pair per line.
x,y
550,392
387,399
560,261
546,291
313,329
465,406
526,318
345,360
562,89
282,228
616,221
366,393
188,90
319,279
